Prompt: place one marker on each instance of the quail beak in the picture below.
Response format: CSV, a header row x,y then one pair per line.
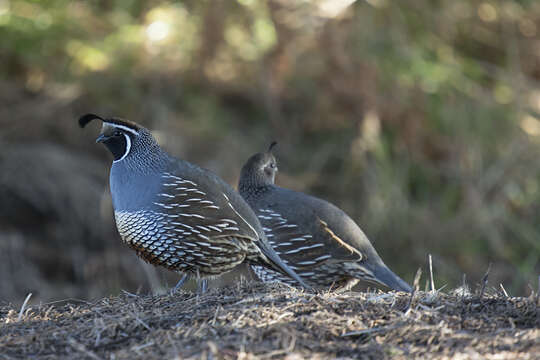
x,y
101,138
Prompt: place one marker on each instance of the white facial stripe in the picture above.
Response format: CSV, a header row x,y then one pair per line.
x,y
128,148
125,128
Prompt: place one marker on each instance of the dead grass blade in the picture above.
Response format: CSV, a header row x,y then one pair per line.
x,y
21,312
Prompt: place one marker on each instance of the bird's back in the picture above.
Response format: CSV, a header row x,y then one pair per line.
x,y
308,215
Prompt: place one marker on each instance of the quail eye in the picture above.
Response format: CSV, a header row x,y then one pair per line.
x,y
273,165
117,133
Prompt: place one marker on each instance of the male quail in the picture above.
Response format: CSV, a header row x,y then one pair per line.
x,y
177,215
315,238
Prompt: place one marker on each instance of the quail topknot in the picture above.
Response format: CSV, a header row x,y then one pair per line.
x,y
177,215
315,238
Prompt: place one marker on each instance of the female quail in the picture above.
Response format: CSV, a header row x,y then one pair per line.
x,y
315,238
177,215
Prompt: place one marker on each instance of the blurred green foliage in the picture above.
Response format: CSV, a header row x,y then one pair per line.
x,y
420,118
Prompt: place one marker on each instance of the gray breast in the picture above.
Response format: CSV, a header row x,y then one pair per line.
x,y
133,192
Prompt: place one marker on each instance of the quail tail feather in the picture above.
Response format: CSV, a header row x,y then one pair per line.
x,y
386,277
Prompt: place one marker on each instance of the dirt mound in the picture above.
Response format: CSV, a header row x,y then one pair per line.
x,y
252,320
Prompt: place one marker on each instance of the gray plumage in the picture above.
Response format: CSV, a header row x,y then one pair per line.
x,y
315,238
177,215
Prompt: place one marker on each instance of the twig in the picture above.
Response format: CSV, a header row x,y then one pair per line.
x,y
213,322
415,289
431,273
176,351
375,298
67,300
365,331
427,308
485,281
98,329
138,319
441,288
275,321
463,290
503,290
279,352
416,281
213,349
372,330
140,347
81,348
127,293
21,312
250,299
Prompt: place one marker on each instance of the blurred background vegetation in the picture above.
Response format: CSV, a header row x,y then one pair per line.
x,y
421,119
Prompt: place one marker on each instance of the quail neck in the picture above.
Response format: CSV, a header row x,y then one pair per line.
x,y
137,165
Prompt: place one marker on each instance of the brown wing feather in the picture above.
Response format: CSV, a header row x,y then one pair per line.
x,y
340,242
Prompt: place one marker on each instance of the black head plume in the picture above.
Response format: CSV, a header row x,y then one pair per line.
x,y
272,145
85,119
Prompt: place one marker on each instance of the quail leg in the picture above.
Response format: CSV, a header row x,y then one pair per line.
x,y
181,282
202,285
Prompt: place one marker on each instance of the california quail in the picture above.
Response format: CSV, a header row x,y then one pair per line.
x,y
315,238
177,215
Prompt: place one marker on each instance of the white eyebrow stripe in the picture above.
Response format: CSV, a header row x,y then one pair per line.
x,y
123,127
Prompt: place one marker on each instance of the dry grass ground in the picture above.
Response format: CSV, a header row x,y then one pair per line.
x,y
256,321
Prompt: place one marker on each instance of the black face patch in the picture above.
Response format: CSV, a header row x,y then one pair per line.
x,y
117,145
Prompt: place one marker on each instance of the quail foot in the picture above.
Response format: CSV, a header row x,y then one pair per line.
x,y
177,215
315,238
